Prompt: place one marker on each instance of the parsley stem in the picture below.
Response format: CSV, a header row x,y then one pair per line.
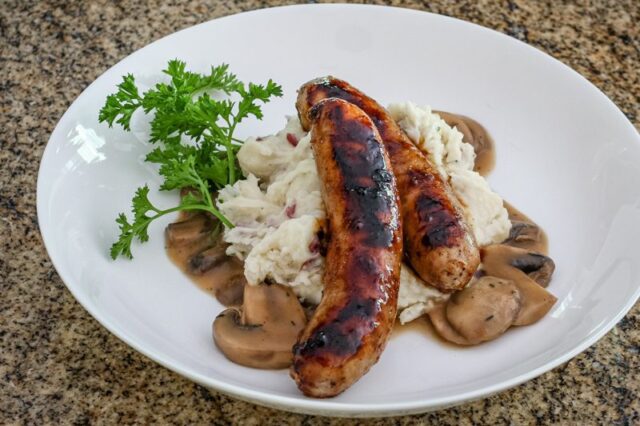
x,y
208,209
202,207
231,159
204,190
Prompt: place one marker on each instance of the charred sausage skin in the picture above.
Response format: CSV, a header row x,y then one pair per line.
x,y
352,323
437,240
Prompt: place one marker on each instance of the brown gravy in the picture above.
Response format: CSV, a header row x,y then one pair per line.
x,y
419,325
525,233
423,326
225,279
475,134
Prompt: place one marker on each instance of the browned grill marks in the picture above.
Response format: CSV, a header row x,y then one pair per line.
x,y
352,324
367,183
443,226
341,337
437,240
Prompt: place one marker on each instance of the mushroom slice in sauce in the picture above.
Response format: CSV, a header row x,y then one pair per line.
x,y
537,266
207,259
194,245
262,333
230,291
484,310
498,260
438,318
479,313
189,230
525,235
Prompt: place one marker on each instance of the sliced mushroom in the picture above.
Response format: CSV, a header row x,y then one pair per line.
x,y
498,260
207,259
201,253
262,333
526,235
188,231
484,310
536,302
438,318
537,266
228,281
230,292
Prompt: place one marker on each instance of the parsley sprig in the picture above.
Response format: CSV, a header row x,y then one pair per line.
x,y
194,134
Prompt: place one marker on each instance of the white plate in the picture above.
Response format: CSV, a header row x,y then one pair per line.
x,y
566,156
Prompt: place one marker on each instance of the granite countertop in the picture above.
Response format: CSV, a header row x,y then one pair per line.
x,y
59,365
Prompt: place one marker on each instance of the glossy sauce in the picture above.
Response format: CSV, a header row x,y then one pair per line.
x,y
224,281
422,326
525,233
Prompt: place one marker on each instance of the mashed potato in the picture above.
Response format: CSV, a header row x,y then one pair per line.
x,y
277,210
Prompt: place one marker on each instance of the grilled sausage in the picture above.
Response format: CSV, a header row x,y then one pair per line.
x,y
437,240
353,321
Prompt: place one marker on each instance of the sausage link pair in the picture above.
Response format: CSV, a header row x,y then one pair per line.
x,y
437,240
352,323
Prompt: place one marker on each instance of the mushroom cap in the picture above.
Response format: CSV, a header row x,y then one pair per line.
x,y
527,235
500,260
536,302
537,266
438,317
262,333
231,291
249,345
509,262
189,230
484,310
207,259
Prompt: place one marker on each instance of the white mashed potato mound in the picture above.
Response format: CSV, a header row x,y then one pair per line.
x,y
283,256
277,210
483,208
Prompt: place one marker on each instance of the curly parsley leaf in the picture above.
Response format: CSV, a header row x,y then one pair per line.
x,y
120,106
194,134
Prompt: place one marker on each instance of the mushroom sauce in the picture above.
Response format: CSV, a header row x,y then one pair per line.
x,y
509,288
192,244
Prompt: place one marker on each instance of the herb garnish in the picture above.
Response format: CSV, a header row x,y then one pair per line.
x,y
194,133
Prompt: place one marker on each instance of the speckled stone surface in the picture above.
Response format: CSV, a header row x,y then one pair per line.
x,y
58,365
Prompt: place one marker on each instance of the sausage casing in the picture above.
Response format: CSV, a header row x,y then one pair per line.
x,y
437,240
353,321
